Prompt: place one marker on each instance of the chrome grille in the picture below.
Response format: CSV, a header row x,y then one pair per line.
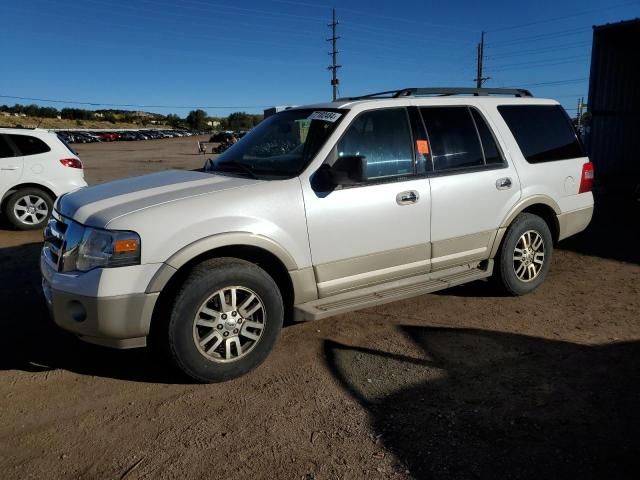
x,y
54,236
61,239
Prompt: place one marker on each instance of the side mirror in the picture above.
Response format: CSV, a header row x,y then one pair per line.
x,y
349,170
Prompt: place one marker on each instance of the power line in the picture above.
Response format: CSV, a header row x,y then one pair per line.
x,y
131,105
165,32
555,82
540,36
584,12
419,37
535,51
375,15
540,63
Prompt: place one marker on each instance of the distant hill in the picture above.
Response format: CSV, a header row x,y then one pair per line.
x,y
12,121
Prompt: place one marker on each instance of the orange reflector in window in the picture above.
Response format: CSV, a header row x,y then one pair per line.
x,y
423,147
123,246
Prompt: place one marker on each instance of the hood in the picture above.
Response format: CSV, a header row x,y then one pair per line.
x,y
97,206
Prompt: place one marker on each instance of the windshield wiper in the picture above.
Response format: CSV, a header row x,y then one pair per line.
x,y
235,166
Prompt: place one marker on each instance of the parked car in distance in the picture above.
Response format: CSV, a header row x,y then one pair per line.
x,y
220,137
318,211
36,167
109,136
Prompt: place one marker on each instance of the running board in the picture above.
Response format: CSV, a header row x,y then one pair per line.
x,y
392,291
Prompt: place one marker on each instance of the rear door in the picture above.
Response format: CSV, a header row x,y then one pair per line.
x,y
11,165
34,151
377,231
473,184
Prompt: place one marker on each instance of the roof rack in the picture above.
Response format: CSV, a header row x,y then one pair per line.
x,y
444,92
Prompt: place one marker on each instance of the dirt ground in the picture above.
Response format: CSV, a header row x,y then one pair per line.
x,y
456,385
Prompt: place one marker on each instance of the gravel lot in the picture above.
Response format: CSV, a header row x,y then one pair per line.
x,y
460,384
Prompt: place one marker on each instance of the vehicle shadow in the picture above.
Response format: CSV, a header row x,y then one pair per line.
x,y
31,342
614,231
482,404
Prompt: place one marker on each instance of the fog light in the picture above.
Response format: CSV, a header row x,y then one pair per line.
x,y
77,311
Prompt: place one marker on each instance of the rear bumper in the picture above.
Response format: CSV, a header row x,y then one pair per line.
x,y
574,222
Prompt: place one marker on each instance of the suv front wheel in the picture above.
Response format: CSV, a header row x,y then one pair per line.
x,y
225,320
525,254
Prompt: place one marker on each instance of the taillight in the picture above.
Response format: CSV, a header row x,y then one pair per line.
x,y
71,162
586,181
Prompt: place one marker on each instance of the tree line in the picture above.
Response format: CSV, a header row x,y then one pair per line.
x,y
196,119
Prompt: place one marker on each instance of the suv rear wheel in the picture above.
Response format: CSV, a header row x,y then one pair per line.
x,y
225,320
29,208
525,254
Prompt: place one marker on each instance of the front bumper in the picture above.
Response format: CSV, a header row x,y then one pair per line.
x,y
118,321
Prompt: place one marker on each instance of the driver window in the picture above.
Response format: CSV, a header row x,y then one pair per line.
x,y
384,138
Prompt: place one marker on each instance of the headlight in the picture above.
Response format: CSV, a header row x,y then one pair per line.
x,y
104,248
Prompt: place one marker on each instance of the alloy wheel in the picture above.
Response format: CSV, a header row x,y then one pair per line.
x,y
31,209
229,324
528,256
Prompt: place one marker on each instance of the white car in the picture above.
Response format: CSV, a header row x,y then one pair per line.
x,y
36,167
318,211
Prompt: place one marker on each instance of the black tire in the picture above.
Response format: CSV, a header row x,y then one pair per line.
x,y
507,265
32,221
204,281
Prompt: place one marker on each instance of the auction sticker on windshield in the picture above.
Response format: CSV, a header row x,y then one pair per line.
x,y
325,116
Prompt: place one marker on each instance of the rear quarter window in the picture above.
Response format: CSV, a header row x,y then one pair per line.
x,y
29,145
66,145
543,132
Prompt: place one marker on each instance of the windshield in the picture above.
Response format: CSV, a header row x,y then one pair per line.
x,y
281,146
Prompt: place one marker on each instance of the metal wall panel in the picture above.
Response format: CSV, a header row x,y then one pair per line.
x,y
613,139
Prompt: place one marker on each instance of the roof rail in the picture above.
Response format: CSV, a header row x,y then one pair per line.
x,y
444,92
19,127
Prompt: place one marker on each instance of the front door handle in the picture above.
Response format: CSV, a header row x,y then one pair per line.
x,y
503,183
408,197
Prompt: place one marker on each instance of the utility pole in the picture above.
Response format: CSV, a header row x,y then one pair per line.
x,y
334,55
579,113
479,78
582,108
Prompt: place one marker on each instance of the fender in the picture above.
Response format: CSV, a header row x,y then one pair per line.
x,y
516,210
203,245
527,202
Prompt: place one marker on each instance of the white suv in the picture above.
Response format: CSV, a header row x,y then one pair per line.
x,y
318,211
36,167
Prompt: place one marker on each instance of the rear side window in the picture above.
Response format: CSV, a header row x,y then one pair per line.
x,y
384,138
5,148
29,145
492,155
543,132
453,138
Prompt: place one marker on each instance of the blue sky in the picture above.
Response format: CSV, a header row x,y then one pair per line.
x,y
250,54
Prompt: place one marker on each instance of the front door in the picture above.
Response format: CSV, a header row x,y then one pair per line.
x,y
377,231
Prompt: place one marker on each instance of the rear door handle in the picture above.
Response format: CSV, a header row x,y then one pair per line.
x,y
10,167
503,183
408,197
